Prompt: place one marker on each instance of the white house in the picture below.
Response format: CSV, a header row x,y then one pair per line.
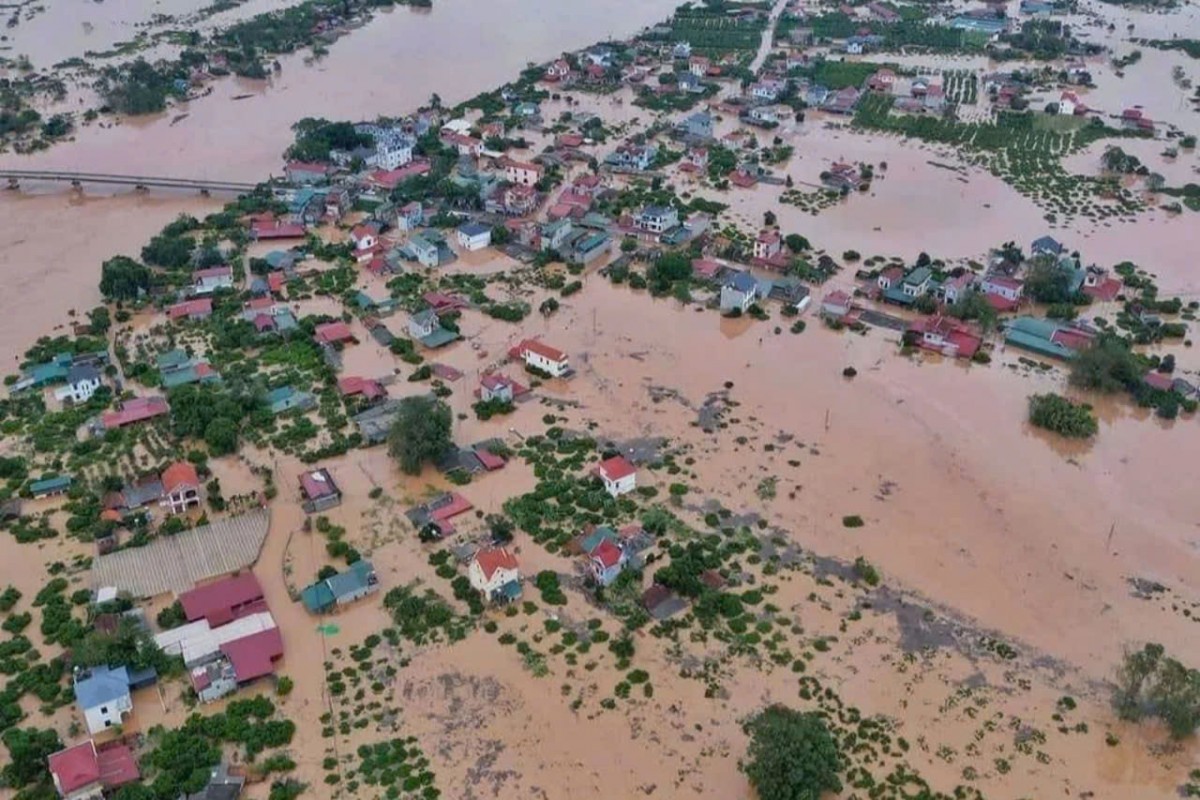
x,y
207,281
619,476
494,573
522,172
955,289
658,219
739,292
364,237
82,382
767,90
103,694
542,356
1067,103
394,154
473,236
767,245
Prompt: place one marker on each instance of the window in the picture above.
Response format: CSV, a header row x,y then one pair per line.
x,y
103,709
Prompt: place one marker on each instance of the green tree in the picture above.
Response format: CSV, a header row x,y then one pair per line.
x,y
28,749
1058,414
792,755
420,433
122,278
1107,366
1048,282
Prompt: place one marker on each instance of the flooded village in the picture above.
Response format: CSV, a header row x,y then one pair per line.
x,y
779,399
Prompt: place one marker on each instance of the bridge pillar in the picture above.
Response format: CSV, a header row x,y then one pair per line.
x,y
77,184
13,184
204,192
141,187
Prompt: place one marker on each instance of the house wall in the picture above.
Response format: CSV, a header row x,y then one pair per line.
x,y
604,576
619,487
77,392
731,298
555,368
101,718
474,242
182,499
499,578
502,393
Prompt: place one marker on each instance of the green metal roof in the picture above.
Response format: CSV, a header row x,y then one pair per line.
x,y
46,485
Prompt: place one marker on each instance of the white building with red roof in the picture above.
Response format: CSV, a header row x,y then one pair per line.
x,y
181,487
524,173
82,772
539,355
494,572
618,474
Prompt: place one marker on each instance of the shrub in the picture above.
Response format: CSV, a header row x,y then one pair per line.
x,y
852,521
1058,414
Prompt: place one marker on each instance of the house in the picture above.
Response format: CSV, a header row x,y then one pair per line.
x,y
1047,337
658,219
180,487
883,13
424,248
500,388
318,491
103,694
83,772
681,50
393,155
517,200
221,602
342,589
586,246
763,115
267,227
364,236
82,382
1002,292
699,66
409,216
1098,285
946,335
137,409
935,98
494,573
739,292
843,101
353,386
521,172
306,173
241,661
816,95
425,327
696,159
1070,104
555,234
767,91
767,245
697,127
286,398
1159,381
916,283
688,82
606,562
540,356
334,333
48,487
634,157
473,236
618,475
1046,245
464,145
207,281
558,71
889,277
194,310
835,305
882,81
954,289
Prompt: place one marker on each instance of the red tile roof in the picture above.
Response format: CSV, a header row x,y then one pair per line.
x,y
457,505
135,410
318,483
1157,380
494,558
260,302
223,601
536,346
179,474
607,553
333,332
308,166
490,460
264,322
254,656
75,767
276,229
117,765
352,385
705,268
616,468
442,303
212,272
190,308
275,281
391,179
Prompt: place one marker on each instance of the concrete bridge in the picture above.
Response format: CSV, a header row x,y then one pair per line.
x,y
14,177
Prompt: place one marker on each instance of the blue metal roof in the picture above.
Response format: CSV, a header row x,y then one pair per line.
x,y
103,686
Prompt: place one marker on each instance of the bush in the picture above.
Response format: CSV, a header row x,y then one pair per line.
x,y
792,756
284,686
1058,414
852,521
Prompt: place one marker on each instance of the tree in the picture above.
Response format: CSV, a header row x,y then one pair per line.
x,y
1107,366
668,269
1060,415
1151,683
796,243
792,755
122,278
501,235
1048,282
974,306
420,433
769,218
28,749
